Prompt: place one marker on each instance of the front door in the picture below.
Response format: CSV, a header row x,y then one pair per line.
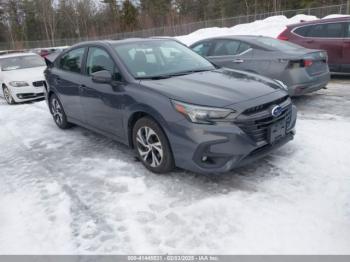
x,y
102,102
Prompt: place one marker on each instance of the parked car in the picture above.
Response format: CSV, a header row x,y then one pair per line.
x,y
170,104
21,77
302,70
332,35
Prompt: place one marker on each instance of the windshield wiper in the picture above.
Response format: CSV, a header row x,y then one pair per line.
x,y
165,76
153,77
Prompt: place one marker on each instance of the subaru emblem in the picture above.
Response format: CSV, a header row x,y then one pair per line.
x,y
276,111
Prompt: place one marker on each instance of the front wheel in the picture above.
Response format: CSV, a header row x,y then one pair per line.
x,y
58,114
8,97
152,146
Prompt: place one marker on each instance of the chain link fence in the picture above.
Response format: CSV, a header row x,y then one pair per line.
x,y
184,29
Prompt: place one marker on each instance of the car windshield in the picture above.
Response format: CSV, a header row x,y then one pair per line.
x,y
160,59
276,44
21,62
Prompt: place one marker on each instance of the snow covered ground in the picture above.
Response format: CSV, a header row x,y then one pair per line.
x,y
69,192
271,26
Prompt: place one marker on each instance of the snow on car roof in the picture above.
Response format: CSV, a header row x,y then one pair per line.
x,y
16,55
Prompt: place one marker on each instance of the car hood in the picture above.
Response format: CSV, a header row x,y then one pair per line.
x,y
27,74
218,88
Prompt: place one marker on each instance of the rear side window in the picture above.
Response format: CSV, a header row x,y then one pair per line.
x,y
316,31
302,31
334,30
347,30
226,47
202,48
72,60
243,47
331,30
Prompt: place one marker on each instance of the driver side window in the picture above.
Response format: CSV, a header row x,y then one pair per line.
x,y
99,60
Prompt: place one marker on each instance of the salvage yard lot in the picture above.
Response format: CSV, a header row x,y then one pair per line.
x,y
77,192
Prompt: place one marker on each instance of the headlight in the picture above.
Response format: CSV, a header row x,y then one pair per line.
x,y
18,83
204,115
283,85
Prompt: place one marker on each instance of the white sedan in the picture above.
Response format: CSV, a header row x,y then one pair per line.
x,y
21,77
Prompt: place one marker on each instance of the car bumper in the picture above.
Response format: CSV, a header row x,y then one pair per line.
x,y
27,93
302,84
214,149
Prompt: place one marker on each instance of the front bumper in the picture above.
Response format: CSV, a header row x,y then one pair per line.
x,y
26,93
220,148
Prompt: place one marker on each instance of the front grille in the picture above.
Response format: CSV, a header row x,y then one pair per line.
x,y
256,125
38,83
262,107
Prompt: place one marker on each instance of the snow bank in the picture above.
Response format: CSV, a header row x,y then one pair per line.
x,y
271,26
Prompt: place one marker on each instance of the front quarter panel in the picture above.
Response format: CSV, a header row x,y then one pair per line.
x,y
140,99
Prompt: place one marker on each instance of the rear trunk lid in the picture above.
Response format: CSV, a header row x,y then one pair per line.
x,y
315,63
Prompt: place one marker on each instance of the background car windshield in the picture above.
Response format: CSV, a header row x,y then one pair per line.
x,y
156,58
275,44
21,62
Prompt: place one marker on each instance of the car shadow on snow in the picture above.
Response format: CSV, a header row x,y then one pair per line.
x,y
99,150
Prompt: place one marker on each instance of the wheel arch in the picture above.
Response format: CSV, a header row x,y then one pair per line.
x,y
144,112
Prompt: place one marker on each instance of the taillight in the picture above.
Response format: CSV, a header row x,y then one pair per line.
x,y
308,63
300,63
283,36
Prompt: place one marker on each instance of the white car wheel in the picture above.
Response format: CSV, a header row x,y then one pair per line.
x,y
8,97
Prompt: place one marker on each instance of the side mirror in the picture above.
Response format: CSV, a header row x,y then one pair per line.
x,y
102,77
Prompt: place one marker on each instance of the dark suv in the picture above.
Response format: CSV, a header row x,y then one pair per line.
x,y
332,35
170,104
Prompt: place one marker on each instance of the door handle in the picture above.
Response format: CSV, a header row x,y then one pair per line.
x,y
238,61
310,41
82,87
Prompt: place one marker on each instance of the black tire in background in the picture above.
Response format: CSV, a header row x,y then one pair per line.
x,y
152,146
58,114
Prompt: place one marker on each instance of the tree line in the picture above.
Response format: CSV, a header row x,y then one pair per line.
x,y
29,20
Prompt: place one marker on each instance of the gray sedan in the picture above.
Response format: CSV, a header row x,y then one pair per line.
x,y
301,70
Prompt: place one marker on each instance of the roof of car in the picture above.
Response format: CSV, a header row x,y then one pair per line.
x,y
123,41
16,55
345,18
245,38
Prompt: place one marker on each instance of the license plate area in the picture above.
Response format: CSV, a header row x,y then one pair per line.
x,y
277,131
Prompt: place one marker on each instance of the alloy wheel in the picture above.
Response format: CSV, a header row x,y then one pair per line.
x,y
149,146
57,111
7,95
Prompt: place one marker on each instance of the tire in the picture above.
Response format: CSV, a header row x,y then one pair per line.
x,y
152,146
7,95
58,114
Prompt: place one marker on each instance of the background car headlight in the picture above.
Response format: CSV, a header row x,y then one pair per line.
x,y
283,85
18,83
204,115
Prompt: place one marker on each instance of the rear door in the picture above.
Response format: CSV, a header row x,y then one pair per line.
x,y
66,78
230,53
102,103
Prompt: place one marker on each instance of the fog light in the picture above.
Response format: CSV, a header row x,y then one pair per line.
x,y
204,158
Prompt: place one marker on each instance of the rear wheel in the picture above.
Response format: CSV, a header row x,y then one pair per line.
x,y
8,97
152,146
58,114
